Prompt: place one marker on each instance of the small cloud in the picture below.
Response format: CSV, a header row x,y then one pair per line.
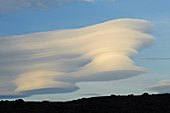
x,y
90,94
164,81
155,58
162,87
110,0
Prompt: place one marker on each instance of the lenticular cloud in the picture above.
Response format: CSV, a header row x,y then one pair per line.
x,y
53,62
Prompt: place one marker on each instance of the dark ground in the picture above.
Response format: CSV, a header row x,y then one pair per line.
x,y
109,104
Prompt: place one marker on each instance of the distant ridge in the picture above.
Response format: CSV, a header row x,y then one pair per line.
x,y
145,103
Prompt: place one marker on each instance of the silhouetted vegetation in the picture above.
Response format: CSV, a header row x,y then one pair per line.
x,y
108,104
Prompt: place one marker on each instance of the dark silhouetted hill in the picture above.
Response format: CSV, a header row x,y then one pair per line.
x,y
145,103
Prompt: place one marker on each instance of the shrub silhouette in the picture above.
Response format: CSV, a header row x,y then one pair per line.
x,y
19,101
145,103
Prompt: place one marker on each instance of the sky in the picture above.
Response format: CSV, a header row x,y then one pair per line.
x,y
69,49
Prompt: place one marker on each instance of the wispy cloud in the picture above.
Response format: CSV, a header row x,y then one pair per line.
x,y
7,6
155,58
53,62
90,94
162,87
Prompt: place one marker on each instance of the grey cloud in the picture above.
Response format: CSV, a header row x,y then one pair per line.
x,y
49,91
155,58
90,94
12,96
162,87
108,76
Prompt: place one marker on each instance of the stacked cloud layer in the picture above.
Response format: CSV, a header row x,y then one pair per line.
x,y
53,62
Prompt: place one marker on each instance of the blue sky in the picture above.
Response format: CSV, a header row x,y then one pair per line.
x,y
21,20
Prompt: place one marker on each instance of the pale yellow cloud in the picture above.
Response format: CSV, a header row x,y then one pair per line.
x,y
60,59
38,80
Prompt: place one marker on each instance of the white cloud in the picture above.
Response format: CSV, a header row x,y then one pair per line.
x,y
7,6
53,62
162,87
